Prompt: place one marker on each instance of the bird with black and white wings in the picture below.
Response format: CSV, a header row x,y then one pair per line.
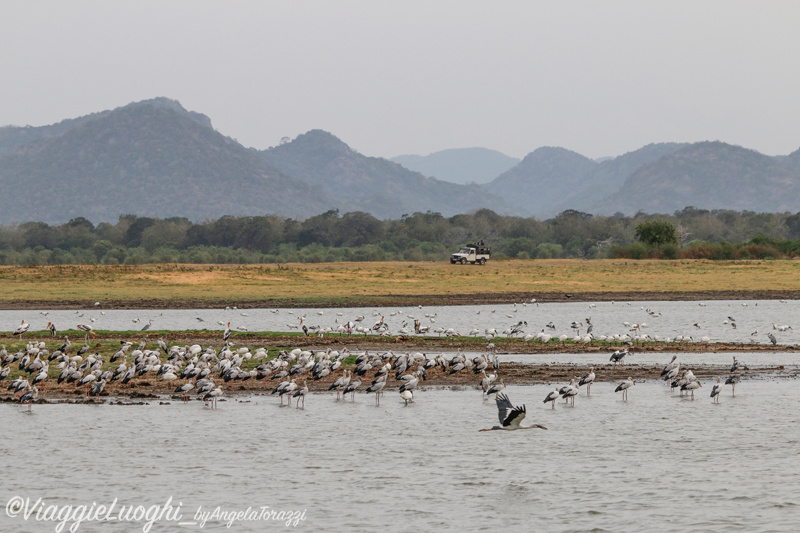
x,y
510,416
716,389
23,327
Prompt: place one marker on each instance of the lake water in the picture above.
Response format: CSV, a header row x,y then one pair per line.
x,y
656,462
753,319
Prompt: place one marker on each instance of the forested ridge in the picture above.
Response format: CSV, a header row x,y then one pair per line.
x,y
429,236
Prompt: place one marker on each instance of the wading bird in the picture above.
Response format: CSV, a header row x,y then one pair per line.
x,y
624,386
587,380
552,396
716,389
732,380
510,416
30,396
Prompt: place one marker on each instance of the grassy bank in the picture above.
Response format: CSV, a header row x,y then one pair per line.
x,y
390,282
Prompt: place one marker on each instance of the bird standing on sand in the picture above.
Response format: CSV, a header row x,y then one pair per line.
x,y
510,416
23,327
88,330
227,333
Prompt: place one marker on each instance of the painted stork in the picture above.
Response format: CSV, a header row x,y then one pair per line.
x,y
88,330
23,327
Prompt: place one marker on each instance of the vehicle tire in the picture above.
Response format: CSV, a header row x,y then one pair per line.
x,y
452,261
463,260
482,261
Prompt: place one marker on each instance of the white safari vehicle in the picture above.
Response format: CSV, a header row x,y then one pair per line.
x,y
471,253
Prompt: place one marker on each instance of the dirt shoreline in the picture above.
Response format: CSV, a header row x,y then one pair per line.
x,y
387,300
537,371
151,389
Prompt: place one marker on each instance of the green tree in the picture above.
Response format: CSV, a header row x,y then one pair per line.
x,y
657,233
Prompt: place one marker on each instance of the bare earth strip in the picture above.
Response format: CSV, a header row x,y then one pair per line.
x,y
392,283
401,284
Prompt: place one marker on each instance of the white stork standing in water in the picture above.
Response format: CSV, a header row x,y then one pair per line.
x,y
618,356
30,396
340,383
510,416
732,380
212,397
351,388
377,388
184,389
691,386
570,391
623,387
408,396
300,393
669,366
587,380
716,389
552,396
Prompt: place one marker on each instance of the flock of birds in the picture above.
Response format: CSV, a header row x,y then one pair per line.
x,y
682,379
197,370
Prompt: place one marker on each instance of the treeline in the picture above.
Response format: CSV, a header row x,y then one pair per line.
x,y
358,236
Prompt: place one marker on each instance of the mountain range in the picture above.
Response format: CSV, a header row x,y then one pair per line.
x,y
155,158
460,165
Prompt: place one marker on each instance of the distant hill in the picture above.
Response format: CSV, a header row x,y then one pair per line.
x,y
375,185
658,178
710,175
155,158
459,165
151,158
542,179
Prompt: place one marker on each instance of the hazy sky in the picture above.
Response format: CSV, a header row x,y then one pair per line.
x,y
414,77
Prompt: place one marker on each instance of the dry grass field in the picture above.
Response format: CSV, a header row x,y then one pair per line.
x,y
398,282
